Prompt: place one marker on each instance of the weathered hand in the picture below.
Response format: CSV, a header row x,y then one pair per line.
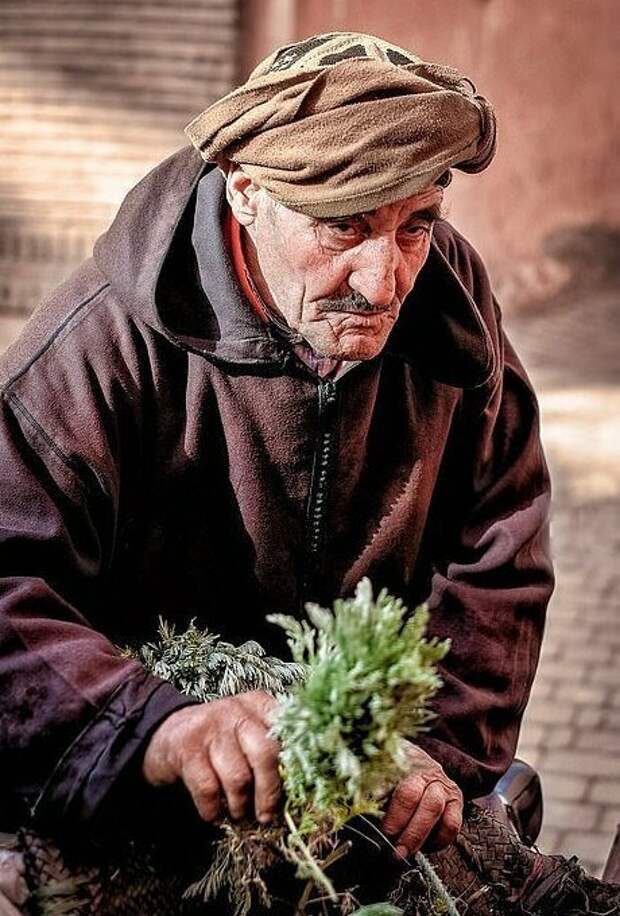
x,y
220,748
425,804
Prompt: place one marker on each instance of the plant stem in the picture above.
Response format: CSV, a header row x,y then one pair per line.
x,y
436,885
318,876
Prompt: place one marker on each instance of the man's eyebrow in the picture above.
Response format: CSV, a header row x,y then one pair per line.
x,y
351,218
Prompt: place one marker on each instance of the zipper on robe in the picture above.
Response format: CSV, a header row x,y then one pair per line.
x,y
319,488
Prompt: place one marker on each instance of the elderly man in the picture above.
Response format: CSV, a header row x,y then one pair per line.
x,y
275,377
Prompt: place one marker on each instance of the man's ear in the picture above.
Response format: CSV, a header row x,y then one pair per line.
x,y
241,194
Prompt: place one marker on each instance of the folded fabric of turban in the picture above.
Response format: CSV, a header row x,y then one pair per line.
x,y
347,136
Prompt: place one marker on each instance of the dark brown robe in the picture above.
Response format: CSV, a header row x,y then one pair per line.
x,y
163,452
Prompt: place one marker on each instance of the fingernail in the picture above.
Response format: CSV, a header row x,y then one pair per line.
x,y
401,852
264,817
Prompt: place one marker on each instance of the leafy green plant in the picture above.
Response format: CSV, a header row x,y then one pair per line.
x,y
359,684
202,665
371,674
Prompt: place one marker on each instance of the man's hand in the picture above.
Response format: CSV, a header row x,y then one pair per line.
x,y
220,749
425,805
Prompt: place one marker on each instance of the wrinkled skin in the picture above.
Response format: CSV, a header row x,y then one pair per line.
x,y
339,285
425,808
223,753
228,761
305,268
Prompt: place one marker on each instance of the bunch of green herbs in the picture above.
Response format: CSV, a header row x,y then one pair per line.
x,y
370,676
202,665
358,686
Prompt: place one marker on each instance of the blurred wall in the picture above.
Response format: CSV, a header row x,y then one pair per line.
x,y
92,95
550,70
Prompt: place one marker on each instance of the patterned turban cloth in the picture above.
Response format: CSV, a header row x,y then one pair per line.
x,y
344,123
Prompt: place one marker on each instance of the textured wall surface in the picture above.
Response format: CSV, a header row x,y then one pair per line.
x,y
550,69
92,95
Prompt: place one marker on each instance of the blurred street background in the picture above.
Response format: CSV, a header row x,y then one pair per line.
x,y
93,94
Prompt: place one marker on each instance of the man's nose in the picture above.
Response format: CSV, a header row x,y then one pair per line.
x,y
374,272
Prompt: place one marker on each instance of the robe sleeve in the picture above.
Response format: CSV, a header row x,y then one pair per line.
x,y
491,583
74,713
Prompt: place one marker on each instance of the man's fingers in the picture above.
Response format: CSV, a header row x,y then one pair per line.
x,y
221,748
260,705
403,803
262,755
428,813
449,826
425,806
234,774
204,787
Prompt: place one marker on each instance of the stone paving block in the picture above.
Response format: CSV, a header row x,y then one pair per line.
x,y
584,694
548,713
602,740
611,718
558,670
565,815
563,613
605,791
605,674
529,755
559,736
594,652
590,718
549,649
583,762
562,618
613,637
563,787
532,734
603,619
541,689
568,633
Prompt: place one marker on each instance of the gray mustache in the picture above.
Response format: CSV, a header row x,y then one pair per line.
x,y
354,302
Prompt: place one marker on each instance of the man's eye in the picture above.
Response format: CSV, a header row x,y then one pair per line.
x,y
346,230
417,229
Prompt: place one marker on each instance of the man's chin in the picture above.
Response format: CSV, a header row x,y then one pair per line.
x,y
353,347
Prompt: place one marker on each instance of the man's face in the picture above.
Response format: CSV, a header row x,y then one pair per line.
x,y
339,282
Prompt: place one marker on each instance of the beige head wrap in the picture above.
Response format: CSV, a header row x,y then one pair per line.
x,y
344,123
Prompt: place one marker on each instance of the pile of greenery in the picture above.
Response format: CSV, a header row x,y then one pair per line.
x,y
359,685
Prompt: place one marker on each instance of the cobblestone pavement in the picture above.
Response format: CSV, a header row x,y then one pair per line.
x,y
572,727
571,731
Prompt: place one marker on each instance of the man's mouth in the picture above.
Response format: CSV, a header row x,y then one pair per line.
x,y
368,313
353,304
